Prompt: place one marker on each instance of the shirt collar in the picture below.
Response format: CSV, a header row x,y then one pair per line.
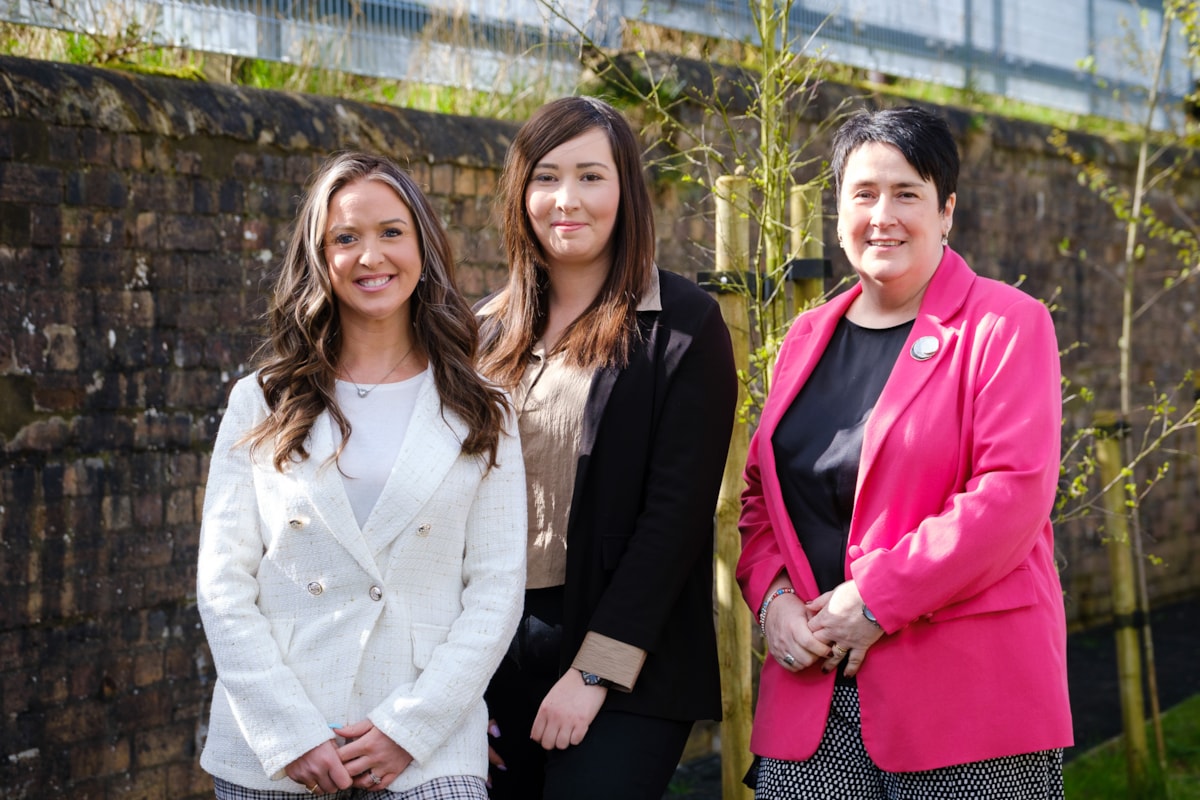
x,y
652,297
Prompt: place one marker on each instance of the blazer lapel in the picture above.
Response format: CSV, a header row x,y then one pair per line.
x,y
806,343
945,296
328,495
431,446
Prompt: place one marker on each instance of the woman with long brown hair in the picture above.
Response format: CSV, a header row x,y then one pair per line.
x,y
623,380
362,546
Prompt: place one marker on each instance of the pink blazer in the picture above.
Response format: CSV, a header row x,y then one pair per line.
x,y
950,542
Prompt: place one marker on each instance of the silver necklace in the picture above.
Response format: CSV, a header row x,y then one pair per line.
x,y
364,392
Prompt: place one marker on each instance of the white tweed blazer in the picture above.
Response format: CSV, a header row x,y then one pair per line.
x,y
309,624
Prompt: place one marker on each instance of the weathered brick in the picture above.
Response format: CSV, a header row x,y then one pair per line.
x,y
464,182
27,183
116,512
76,721
103,433
100,758
16,229
22,140
42,436
96,147
144,784
127,152
104,188
124,308
422,174
187,232
156,430
45,225
441,180
187,778
147,668
84,227
63,143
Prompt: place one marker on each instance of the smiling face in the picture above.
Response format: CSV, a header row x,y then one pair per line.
x,y
889,222
373,252
572,199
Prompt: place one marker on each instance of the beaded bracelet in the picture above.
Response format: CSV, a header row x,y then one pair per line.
x,y
762,612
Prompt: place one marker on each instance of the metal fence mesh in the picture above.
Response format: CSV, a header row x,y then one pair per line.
x,y
1075,55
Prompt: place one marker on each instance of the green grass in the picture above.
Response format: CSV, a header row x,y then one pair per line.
x,y
1100,774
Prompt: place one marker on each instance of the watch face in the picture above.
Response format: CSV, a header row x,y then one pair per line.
x,y
589,679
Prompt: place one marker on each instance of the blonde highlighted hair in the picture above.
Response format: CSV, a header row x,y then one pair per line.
x,y
298,361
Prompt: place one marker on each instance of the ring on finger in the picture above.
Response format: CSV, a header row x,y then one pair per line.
x,y
839,652
313,789
789,659
375,779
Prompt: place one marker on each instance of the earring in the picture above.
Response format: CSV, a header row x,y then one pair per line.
x,y
945,241
840,243
422,278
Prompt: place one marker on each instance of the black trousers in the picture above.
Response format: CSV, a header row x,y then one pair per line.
x,y
624,756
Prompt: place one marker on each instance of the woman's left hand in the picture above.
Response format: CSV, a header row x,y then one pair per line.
x,y
370,756
567,711
838,620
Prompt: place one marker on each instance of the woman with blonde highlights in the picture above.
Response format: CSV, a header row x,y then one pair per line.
x,y
362,546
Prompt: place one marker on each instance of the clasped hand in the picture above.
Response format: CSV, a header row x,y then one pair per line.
x,y
368,760
822,631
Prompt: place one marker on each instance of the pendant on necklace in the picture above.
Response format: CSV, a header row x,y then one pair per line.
x,y
362,392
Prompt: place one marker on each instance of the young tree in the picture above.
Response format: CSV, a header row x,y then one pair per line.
x,y
1162,154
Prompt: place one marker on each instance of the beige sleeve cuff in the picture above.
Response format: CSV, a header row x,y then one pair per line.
x,y
611,659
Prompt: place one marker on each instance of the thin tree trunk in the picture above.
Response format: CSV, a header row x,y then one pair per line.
x,y
1126,349
733,618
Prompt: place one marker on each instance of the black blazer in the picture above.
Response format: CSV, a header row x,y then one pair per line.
x,y
640,536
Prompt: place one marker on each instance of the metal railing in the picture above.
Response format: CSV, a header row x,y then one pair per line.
x,y
1076,55
1083,56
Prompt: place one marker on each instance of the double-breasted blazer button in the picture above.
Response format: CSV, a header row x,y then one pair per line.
x,y
315,588
423,529
376,593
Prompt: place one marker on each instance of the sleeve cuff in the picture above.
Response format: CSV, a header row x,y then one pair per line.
x,y
613,660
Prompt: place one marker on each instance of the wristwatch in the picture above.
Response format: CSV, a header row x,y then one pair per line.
x,y
592,679
870,617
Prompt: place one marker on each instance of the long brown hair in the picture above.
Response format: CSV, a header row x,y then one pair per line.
x,y
298,362
604,333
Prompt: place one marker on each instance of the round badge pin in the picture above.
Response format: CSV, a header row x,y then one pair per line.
x,y
924,348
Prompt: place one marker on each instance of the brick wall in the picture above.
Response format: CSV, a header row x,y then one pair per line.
x,y
139,217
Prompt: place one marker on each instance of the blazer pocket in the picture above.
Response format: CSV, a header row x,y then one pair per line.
x,y
1015,590
425,639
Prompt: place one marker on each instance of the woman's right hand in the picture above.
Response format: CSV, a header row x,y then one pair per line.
x,y
789,639
320,770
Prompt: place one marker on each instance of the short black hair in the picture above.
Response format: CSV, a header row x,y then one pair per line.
x,y
923,138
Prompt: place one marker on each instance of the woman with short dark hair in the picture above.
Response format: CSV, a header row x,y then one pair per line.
x,y
897,547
